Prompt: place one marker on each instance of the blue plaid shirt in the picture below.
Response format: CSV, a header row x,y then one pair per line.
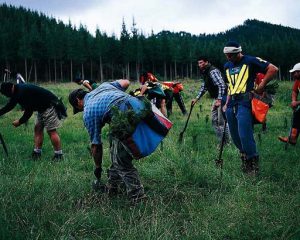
x,y
97,105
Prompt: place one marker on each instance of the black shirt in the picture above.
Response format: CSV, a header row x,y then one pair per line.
x,y
31,98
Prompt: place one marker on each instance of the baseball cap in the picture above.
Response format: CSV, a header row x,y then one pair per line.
x,y
73,98
295,68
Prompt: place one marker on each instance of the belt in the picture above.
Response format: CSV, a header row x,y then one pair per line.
x,y
241,96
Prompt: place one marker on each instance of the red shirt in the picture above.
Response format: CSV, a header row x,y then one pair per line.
x,y
147,77
296,87
176,87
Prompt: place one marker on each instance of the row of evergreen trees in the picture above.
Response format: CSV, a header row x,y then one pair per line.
x,y
45,49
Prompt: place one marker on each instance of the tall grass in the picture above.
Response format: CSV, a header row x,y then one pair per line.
x,y
187,199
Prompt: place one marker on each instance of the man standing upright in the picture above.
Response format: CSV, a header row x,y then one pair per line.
x,y
50,111
215,85
241,71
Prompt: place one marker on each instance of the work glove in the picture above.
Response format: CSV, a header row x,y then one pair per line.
x,y
97,173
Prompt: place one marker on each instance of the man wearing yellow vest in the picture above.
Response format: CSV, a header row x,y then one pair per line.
x,y
241,71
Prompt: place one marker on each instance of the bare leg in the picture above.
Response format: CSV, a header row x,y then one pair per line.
x,y
163,108
54,137
38,136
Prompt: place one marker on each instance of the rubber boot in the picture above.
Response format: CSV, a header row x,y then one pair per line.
x,y
292,139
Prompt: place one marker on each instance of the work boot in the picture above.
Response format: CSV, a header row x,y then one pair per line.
x,y
137,199
113,190
36,155
57,157
252,167
292,139
98,186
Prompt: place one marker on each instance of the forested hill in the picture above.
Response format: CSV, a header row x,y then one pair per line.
x,y
43,48
278,43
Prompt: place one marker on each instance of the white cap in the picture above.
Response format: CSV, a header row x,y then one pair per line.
x,y
295,68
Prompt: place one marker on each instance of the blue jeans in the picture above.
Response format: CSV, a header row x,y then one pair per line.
x,y
239,117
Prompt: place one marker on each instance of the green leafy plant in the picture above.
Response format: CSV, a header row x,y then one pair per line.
x,y
272,87
123,123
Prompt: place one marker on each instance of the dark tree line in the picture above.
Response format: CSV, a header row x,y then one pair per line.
x,y
45,49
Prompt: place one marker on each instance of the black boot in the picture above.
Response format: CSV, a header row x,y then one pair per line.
x,y
252,167
57,157
36,155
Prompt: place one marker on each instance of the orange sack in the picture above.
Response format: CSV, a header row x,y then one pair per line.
x,y
259,110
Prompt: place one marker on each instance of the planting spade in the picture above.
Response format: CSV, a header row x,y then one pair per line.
x,y
186,123
219,160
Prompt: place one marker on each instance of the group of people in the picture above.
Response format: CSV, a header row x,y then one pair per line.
x,y
161,93
232,99
230,112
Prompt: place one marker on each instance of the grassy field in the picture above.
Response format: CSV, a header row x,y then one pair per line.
x,y
54,200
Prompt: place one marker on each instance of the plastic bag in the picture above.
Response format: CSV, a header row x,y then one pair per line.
x,y
259,110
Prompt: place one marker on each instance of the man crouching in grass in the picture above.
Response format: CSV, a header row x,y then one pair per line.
x,y
97,107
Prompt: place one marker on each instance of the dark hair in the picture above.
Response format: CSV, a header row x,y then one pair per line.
x,y
77,80
232,43
6,89
74,95
203,58
143,77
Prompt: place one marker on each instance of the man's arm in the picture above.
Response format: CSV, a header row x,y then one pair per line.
x,y
97,152
224,108
94,129
270,74
27,114
295,103
87,84
200,94
8,107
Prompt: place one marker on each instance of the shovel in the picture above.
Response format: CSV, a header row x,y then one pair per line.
x,y
219,161
186,123
3,144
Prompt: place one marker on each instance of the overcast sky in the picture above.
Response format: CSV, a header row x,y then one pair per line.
x,y
193,16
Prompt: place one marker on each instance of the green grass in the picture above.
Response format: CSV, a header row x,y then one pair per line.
x,y
46,200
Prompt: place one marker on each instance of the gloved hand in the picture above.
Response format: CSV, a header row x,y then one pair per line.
x,y
97,173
